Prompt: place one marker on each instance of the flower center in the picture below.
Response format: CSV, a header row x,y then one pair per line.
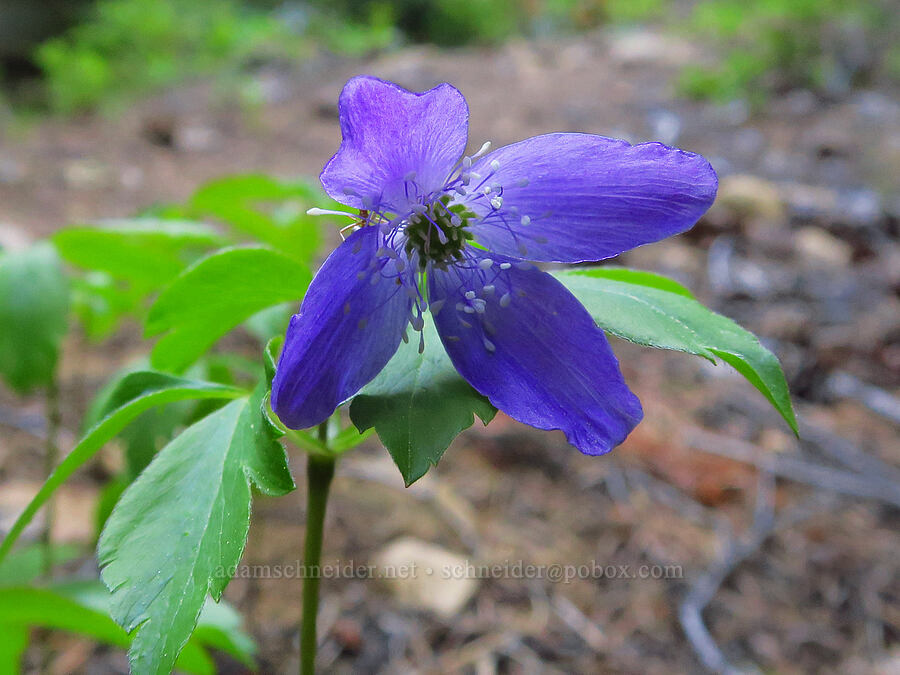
x,y
438,232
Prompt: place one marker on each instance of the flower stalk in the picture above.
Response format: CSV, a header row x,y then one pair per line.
x,y
319,472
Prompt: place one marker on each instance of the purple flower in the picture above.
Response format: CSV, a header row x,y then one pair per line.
x,y
457,235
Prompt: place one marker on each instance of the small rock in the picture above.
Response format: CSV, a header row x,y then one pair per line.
x,y
642,46
743,198
85,174
427,577
195,138
819,247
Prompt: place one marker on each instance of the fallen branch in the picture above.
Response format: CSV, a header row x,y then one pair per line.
x,y
835,480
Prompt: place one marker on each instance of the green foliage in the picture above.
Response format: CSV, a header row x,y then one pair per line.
x,y
773,45
128,47
135,394
34,306
126,262
269,211
28,563
81,608
181,527
418,404
215,295
645,310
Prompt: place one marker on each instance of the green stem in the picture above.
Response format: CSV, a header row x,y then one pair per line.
x,y
319,472
51,457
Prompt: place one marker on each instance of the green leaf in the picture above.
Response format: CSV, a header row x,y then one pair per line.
x,y
179,530
34,305
148,251
28,563
246,204
418,404
135,394
648,315
100,303
149,431
80,608
631,276
13,643
218,627
216,294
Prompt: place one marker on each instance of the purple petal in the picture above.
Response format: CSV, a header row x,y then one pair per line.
x,y
588,197
534,351
347,330
396,143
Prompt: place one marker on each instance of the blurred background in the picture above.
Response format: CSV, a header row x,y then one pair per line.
x,y
787,549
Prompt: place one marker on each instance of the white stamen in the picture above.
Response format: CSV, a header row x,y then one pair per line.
x,y
419,208
460,306
485,263
495,165
489,345
487,189
505,299
470,295
525,220
505,266
315,211
467,162
455,220
479,305
460,190
484,148
469,310
488,289
497,202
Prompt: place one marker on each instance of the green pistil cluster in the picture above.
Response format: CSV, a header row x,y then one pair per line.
x,y
440,234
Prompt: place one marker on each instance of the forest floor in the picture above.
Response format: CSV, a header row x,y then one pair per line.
x,y
802,247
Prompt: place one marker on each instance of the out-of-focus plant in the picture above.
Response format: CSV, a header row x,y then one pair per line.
x,y
117,269
128,47
774,45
